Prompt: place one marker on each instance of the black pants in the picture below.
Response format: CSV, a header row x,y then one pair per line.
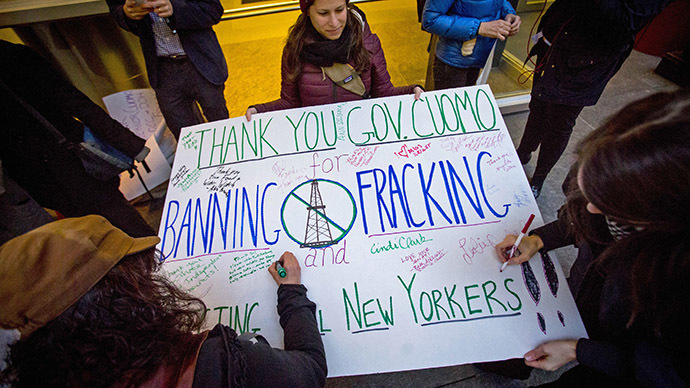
x,y
446,76
180,88
549,125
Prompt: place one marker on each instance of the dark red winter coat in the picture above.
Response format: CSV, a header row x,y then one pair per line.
x,y
315,88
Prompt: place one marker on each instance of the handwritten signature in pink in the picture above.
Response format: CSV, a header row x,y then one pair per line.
x,y
362,156
469,247
415,150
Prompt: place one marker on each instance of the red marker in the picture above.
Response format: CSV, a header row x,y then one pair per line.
x,y
517,242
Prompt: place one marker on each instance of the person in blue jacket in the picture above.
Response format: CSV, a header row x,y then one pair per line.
x,y
467,31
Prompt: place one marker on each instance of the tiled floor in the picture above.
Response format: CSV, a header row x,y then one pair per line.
x,y
255,77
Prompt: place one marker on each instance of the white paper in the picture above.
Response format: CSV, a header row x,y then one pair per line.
x,y
416,195
136,109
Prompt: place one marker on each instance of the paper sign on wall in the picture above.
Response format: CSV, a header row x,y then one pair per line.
x,y
392,206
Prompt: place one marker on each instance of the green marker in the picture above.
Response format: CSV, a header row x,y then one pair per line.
x,y
281,271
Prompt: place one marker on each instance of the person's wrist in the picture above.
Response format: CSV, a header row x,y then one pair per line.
x,y
540,243
573,349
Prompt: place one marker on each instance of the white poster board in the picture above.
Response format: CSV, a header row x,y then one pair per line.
x,y
403,271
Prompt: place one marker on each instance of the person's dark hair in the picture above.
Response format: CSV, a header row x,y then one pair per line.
x,y
123,329
636,169
298,36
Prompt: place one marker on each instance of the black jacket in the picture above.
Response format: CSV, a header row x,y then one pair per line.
x,y
301,365
590,40
29,153
193,21
614,352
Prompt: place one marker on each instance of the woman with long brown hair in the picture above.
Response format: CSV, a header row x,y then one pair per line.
x,y
93,312
331,56
628,212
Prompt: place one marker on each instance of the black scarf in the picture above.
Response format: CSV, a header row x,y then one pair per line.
x,y
325,52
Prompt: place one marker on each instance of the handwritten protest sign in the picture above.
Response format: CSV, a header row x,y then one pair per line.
x,y
137,110
393,207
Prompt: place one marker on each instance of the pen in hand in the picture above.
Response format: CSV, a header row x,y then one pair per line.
x,y
517,241
281,271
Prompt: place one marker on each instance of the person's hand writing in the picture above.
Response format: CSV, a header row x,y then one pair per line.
x,y
418,92
515,22
162,8
498,29
528,247
250,111
136,10
293,274
552,355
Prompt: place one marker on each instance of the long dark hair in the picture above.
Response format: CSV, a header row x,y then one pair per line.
x,y
636,169
298,36
123,329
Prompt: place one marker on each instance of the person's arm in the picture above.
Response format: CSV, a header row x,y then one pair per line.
x,y
72,102
303,362
508,14
556,234
289,94
132,20
192,15
553,235
644,362
438,21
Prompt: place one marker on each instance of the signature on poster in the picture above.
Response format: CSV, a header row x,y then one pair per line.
x,y
362,156
424,258
185,178
413,150
222,180
471,246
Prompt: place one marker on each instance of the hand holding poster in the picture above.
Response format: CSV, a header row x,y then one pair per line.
x,y
393,207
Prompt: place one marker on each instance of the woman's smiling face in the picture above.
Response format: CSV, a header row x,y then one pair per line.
x,y
328,17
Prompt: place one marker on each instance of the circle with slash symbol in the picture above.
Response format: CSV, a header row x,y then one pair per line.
x,y
318,213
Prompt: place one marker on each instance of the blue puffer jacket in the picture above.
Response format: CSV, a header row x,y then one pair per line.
x,y
457,21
